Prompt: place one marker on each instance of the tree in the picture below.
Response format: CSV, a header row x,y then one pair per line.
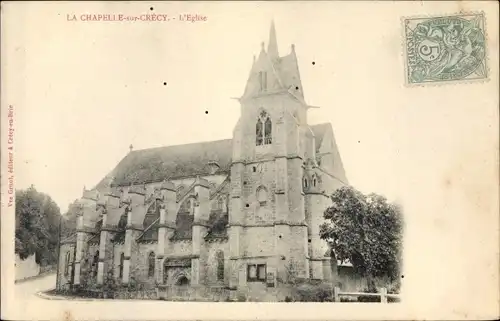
x,y
69,220
37,226
367,231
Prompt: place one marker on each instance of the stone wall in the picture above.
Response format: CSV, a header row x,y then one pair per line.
x,y
117,251
66,254
26,268
140,267
211,276
258,241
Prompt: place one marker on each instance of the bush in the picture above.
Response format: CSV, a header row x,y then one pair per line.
x,y
369,298
241,297
321,292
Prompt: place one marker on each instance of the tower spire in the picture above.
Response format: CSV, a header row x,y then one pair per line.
x,y
272,48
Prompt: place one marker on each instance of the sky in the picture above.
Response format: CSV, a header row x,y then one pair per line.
x,y
94,88
90,89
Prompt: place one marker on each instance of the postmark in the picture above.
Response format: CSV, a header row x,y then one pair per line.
x,y
445,48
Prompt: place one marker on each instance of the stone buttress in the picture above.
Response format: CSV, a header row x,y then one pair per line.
x,y
87,216
166,226
134,229
200,228
110,217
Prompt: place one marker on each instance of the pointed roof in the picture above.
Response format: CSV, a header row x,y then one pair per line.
x,y
283,71
272,47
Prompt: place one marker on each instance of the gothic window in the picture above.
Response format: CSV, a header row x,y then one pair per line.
x,y
180,191
314,180
122,260
263,80
66,264
259,133
220,266
267,130
263,129
188,206
95,263
151,264
262,196
221,203
306,184
123,220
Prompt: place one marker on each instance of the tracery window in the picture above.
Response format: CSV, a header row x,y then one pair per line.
x,y
151,264
263,129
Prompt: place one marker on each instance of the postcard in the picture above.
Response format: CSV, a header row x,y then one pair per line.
x,y
250,160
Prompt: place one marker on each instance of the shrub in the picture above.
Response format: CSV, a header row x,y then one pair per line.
x,y
369,298
311,292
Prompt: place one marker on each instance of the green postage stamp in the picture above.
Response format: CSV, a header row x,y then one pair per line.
x,y
442,49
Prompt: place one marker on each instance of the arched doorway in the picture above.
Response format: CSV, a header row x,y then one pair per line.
x,y
182,281
181,290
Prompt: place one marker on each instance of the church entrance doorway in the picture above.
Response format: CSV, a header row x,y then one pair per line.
x,y
182,281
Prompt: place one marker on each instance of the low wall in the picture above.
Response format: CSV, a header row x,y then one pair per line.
x,y
136,294
26,268
189,293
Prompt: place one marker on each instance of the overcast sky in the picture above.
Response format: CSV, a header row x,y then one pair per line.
x,y
93,88
84,91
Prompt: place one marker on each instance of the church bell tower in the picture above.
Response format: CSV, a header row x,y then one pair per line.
x,y
267,216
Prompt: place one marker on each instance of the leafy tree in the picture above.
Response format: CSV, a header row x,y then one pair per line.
x,y
367,231
69,221
37,226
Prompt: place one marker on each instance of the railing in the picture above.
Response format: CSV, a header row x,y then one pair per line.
x,y
383,295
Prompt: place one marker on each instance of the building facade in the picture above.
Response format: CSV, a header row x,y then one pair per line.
x,y
242,214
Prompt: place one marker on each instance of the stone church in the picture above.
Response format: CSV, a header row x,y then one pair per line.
x,y
241,215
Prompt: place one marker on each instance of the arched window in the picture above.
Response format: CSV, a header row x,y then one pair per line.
x,y
187,206
306,184
267,132
262,196
314,180
122,223
122,260
259,133
151,264
220,265
95,263
221,203
66,263
263,130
